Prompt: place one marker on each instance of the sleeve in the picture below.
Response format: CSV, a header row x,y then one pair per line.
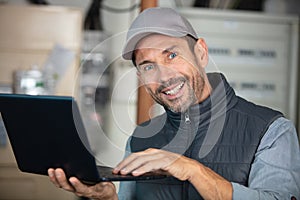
x,y
275,172
127,188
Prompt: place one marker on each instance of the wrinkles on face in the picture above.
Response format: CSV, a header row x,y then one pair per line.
x,y
176,80
179,104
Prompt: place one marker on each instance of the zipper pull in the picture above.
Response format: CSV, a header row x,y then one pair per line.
x,y
187,118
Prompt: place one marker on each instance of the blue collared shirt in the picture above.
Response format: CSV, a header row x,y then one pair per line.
x,y
275,171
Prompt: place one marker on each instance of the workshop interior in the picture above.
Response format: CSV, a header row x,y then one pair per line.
x,y
73,48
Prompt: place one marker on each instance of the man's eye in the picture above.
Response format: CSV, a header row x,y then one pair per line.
x,y
172,55
148,67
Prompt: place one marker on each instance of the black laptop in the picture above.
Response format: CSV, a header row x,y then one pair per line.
x,y
48,132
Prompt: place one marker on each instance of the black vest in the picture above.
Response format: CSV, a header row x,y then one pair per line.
x,y
223,133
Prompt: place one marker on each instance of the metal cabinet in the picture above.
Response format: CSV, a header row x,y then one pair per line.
x,y
257,52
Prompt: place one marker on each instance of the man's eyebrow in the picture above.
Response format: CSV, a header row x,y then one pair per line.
x,y
144,62
165,51
168,50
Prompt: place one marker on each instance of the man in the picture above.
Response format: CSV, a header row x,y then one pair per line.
x,y
212,143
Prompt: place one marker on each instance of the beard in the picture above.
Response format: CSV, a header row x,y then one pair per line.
x,y
194,91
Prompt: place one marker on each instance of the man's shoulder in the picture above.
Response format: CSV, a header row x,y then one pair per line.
x,y
253,110
281,127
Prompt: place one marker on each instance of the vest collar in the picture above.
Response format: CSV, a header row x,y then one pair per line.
x,y
221,99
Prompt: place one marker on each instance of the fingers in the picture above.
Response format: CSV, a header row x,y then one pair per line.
x,y
132,162
155,160
79,188
146,161
102,190
59,179
52,177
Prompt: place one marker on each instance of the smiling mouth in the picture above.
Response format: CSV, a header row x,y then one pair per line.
x,y
174,90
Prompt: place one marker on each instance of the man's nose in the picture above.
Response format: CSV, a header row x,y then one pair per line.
x,y
165,73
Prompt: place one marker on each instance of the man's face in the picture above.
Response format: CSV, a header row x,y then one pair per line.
x,y
170,71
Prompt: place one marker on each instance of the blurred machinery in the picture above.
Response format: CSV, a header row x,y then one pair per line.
x,y
27,36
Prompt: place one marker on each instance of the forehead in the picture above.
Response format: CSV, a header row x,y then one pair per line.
x,y
154,44
158,41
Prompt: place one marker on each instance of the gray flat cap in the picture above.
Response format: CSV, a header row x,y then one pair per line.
x,y
164,21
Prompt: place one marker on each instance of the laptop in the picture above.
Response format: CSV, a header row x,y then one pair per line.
x,y
48,132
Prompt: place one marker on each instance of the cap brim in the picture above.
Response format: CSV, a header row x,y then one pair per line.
x,y
133,41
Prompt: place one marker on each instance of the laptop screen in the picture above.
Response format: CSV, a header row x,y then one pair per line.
x,y
47,131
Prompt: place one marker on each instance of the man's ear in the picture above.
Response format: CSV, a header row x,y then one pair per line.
x,y
201,52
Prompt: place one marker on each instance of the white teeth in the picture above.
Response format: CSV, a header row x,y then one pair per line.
x,y
174,90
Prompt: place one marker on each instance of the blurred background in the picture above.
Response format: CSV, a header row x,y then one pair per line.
x,y
73,48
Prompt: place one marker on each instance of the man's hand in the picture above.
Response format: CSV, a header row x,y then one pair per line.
x,y
209,184
102,190
156,160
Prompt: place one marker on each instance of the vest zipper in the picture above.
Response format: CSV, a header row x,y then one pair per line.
x,y
187,119
185,186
